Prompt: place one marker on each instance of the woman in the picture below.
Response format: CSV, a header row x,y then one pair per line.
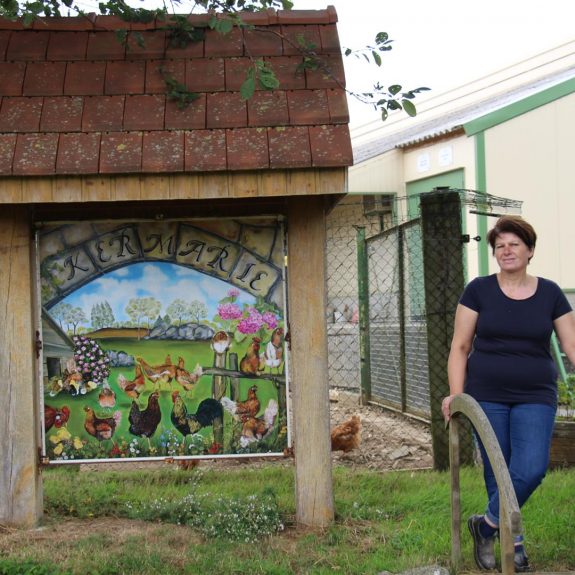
x,y
500,355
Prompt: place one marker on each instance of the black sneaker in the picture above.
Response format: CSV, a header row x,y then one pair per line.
x,y
483,549
521,561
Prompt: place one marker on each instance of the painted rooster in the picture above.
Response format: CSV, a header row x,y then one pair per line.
x,y
209,410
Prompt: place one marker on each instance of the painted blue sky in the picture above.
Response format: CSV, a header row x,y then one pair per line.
x,y
163,281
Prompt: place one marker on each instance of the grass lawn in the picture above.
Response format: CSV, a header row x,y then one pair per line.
x,y
126,522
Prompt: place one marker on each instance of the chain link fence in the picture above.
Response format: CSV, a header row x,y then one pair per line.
x,y
388,341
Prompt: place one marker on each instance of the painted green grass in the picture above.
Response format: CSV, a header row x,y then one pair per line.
x,y
161,444
384,522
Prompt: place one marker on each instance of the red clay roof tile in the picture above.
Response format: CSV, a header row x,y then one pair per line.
x,y
247,149
144,112
146,44
35,154
205,75
163,152
78,153
20,114
268,108
329,75
105,46
308,107
12,78
121,153
226,110
295,36
103,113
104,105
289,147
263,42
28,45
192,117
67,46
157,70
125,77
287,71
227,46
205,151
338,110
85,78
62,114
44,79
4,39
7,145
330,146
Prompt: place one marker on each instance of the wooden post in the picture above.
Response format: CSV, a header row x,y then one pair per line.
x,y
20,482
444,282
308,360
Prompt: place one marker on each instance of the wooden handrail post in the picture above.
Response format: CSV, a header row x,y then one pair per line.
x,y
509,513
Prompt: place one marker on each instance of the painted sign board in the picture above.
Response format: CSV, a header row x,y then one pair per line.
x,y
175,336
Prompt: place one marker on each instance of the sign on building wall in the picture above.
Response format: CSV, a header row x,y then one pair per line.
x,y
166,339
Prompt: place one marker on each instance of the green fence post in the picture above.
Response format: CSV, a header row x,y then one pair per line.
x,y
363,301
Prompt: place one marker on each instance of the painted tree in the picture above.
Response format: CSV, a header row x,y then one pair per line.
x,y
179,310
74,317
198,310
59,312
224,16
101,315
153,307
136,311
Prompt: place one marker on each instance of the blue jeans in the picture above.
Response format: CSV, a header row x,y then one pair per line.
x,y
524,433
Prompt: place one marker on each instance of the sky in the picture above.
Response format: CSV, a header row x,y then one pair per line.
x,y
444,44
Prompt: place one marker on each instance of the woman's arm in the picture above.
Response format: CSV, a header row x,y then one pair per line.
x,y
565,330
463,334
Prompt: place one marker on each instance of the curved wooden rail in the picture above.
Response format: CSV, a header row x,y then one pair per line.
x,y
509,514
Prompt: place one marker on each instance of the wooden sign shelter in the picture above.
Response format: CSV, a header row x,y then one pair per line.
x,y
87,133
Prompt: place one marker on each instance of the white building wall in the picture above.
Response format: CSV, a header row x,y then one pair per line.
x,y
530,158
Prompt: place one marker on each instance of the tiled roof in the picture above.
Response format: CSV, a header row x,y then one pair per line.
x,y
75,100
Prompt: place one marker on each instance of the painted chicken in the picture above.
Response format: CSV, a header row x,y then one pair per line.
x,y
186,378
106,397
144,422
209,410
250,363
158,373
256,428
134,387
221,342
101,428
243,409
347,435
273,353
55,416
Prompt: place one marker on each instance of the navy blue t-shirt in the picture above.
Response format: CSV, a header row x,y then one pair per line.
x,y
511,360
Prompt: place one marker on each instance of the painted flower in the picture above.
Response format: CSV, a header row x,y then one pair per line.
x,y
229,311
270,320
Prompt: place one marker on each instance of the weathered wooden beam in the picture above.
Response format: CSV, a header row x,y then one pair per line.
x,y
20,483
308,360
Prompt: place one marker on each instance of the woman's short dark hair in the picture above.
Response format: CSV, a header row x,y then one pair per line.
x,y
512,225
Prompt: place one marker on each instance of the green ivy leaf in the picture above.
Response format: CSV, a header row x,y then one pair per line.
x,y
376,57
409,107
381,38
384,114
248,88
395,89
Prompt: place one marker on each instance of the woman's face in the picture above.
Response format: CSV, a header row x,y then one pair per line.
x,y
511,252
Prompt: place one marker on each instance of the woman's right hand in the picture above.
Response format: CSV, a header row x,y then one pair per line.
x,y
445,407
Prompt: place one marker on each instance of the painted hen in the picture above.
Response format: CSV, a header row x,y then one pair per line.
x,y
250,363
55,416
158,373
256,428
243,409
106,397
209,410
145,422
101,428
273,353
133,388
186,378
